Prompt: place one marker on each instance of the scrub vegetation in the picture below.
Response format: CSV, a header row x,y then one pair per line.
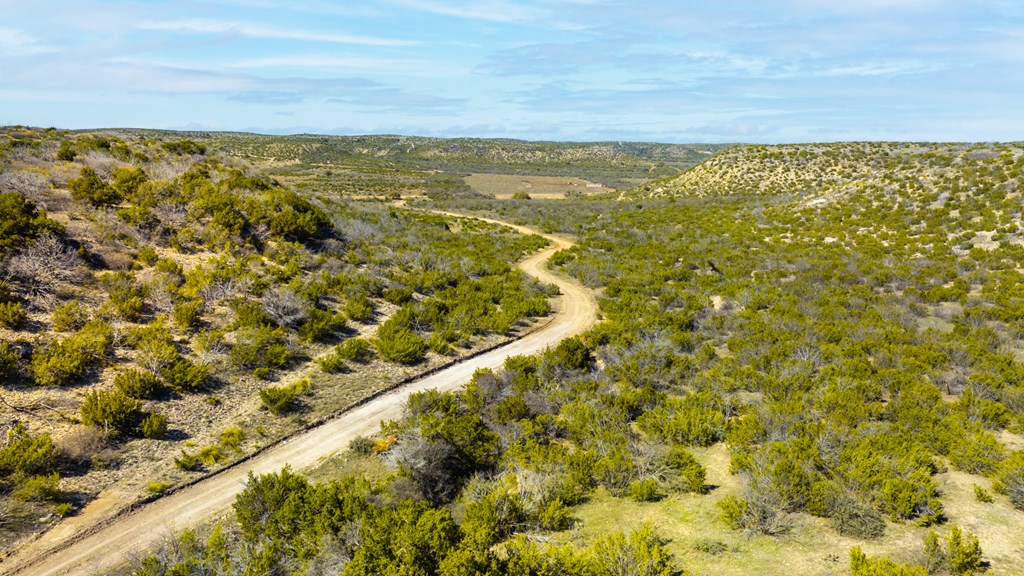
x,y
155,292
809,361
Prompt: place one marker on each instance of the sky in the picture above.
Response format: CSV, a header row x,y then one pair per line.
x,y
642,70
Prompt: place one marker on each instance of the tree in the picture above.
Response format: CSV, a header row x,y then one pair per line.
x,y
442,443
273,506
572,354
411,539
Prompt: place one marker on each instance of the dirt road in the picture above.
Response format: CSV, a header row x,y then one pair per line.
x,y
80,548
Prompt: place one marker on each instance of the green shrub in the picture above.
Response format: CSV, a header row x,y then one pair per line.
x,y
640,553
60,363
21,221
361,445
857,519
861,565
710,546
185,147
572,354
554,516
154,426
147,255
262,347
320,324
249,314
1010,479
69,316
187,313
158,486
398,344
67,151
963,553
398,296
691,473
691,420
23,454
978,453
359,308
111,410
281,399
63,361
186,462
143,218
41,488
355,350
438,344
232,437
171,267
138,384
185,376
126,297
521,195
128,180
332,363
10,359
211,455
982,495
89,187
12,315
645,490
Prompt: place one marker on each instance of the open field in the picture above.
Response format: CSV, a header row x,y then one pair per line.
x,y
503,186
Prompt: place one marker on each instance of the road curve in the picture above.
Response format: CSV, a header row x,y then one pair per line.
x,y
94,549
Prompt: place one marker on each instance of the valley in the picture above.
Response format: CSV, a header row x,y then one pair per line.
x,y
806,358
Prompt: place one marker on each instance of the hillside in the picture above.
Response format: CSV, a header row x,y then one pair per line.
x,y
810,360
166,309
838,342
904,170
386,165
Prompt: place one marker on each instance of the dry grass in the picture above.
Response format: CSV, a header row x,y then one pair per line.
x,y
812,547
503,186
371,467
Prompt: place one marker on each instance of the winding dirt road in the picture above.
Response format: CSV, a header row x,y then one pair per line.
x,y
84,549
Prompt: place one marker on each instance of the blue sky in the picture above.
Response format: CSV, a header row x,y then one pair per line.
x,y
669,71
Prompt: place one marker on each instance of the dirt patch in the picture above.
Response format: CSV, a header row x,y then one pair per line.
x,y
503,186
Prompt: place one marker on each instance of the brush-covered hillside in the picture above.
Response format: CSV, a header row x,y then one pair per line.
x,y
166,309
906,171
833,332
398,165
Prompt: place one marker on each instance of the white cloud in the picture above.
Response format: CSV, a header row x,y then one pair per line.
x,y
487,10
14,42
271,32
349,63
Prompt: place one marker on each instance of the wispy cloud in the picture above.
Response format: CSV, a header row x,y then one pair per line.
x,y
647,69
411,67
14,42
486,10
389,99
268,97
253,30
